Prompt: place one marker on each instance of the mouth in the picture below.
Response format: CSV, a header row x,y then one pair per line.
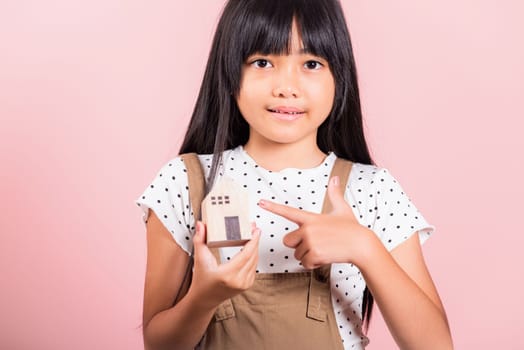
x,y
286,110
286,113
283,112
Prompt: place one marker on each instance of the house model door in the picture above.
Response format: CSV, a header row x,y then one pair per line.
x,y
232,227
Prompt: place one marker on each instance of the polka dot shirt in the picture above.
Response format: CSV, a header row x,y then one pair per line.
x,y
377,200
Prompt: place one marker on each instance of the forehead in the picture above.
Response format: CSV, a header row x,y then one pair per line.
x,y
280,41
295,40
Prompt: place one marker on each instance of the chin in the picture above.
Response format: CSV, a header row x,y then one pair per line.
x,y
284,139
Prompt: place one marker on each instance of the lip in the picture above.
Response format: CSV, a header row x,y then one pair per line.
x,y
285,109
286,113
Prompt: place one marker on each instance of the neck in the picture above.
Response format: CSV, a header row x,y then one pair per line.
x,y
277,156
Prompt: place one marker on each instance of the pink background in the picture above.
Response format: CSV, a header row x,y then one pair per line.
x,y
95,97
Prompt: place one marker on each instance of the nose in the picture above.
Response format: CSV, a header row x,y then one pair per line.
x,y
285,92
286,84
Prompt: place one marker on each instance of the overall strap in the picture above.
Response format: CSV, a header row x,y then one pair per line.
x,y
197,187
317,301
342,169
196,182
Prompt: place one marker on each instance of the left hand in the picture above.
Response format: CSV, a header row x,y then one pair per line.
x,y
335,237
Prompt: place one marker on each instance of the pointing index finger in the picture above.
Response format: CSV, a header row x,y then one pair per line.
x,y
293,214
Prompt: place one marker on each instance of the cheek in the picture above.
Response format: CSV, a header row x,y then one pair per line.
x,y
326,93
251,82
247,104
330,86
244,102
248,95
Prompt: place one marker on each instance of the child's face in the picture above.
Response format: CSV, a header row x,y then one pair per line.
x,y
285,98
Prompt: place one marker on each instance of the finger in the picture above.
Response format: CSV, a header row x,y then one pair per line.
x,y
309,263
293,239
252,244
248,256
251,264
248,250
249,267
336,196
202,253
252,255
246,273
293,214
309,257
200,234
301,251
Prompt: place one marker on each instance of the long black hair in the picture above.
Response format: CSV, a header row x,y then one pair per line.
x,y
247,27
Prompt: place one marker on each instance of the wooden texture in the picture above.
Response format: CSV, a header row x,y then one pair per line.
x,y
225,211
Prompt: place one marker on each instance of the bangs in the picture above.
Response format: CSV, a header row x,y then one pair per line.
x,y
268,24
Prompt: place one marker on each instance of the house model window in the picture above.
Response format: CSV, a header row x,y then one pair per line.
x,y
219,200
225,213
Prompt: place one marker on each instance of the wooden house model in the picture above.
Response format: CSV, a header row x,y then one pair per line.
x,y
225,211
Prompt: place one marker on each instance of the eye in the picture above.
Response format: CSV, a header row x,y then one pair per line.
x,y
261,63
312,65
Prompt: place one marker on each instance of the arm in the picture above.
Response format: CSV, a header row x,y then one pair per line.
x,y
163,324
182,326
400,282
405,294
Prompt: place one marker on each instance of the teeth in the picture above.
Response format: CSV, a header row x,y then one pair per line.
x,y
284,112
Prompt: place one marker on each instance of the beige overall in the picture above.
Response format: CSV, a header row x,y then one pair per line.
x,y
280,310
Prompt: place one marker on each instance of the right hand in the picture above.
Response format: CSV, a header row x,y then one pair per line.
x,y
213,283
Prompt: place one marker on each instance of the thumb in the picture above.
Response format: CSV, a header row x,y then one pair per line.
x,y
203,256
199,238
336,196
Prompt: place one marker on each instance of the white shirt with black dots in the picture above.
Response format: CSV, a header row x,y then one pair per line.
x,y
377,199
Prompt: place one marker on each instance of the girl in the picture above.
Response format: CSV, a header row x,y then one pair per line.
x,y
278,108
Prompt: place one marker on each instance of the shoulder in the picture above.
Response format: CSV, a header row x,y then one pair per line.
x,y
372,188
370,177
173,167
206,160
364,172
176,169
382,205
363,177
